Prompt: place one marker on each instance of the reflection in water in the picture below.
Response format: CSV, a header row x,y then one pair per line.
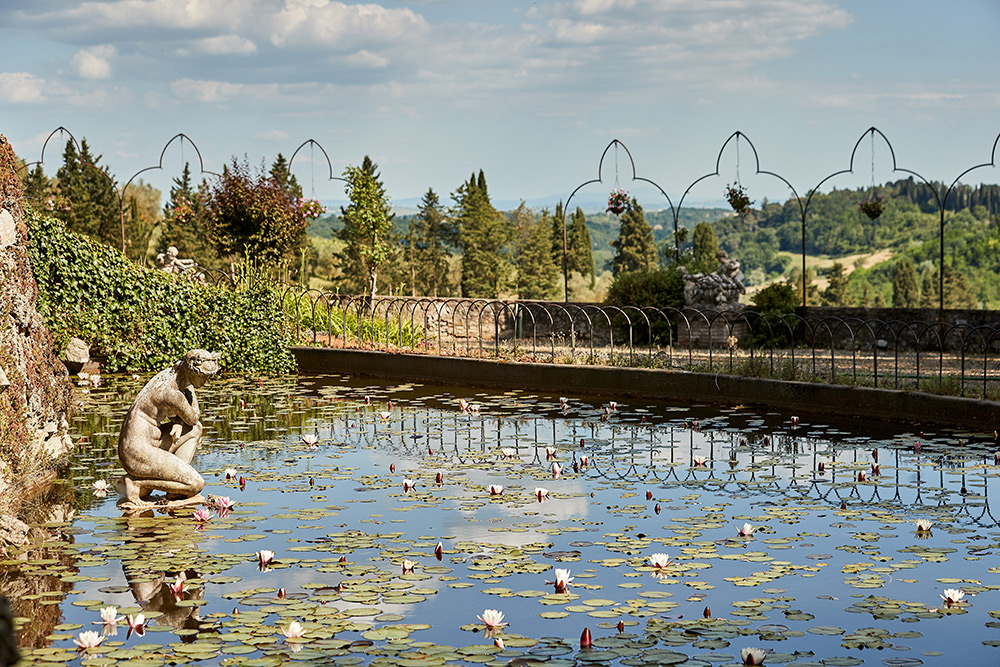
x,y
823,549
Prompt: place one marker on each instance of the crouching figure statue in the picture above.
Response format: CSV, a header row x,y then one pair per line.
x,y
161,431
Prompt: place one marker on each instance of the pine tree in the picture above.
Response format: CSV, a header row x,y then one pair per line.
x,y
367,228
537,271
905,292
284,177
706,247
836,292
434,237
38,189
958,293
635,249
88,203
184,221
484,236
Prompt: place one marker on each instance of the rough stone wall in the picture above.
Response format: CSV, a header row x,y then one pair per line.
x,y
35,391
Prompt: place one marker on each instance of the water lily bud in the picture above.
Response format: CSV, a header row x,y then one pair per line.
x,y
585,641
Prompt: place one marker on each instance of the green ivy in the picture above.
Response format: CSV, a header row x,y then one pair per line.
x,y
139,319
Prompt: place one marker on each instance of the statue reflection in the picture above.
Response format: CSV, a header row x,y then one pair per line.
x,y
157,590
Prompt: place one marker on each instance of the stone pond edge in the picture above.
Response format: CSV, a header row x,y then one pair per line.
x,y
617,382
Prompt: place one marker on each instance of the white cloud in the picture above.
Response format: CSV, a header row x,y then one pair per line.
x,y
365,58
331,23
205,91
20,87
95,62
226,45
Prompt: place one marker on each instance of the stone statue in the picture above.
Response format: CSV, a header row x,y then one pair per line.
x,y
161,431
171,263
720,289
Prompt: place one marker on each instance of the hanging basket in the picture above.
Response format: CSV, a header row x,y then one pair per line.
x,y
737,198
618,201
873,207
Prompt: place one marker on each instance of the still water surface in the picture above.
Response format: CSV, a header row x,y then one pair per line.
x,y
834,573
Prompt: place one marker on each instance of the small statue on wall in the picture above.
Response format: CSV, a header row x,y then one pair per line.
x,y
720,289
169,262
161,431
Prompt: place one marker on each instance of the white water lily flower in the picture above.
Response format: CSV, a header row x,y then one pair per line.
x,y
508,453
752,656
563,580
659,560
953,596
700,460
924,525
293,631
264,558
747,530
88,639
541,493
310,439
101,487
230,473
492,618
496,489
109,616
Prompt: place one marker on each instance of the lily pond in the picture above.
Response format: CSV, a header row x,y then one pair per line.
x,y
352,487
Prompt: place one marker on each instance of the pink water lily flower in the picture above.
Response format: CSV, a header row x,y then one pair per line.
x,y
747,530
752,656
463,404
408,485
178,588
550,453
310,439
700,461
613,405
556,470
584,461
293,631
498,642
136,624
88,639
492,619
201,515
224,503
495,489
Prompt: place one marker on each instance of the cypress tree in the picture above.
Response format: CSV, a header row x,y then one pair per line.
x,y
706,246
836,292
580,253
905,292
537,271
635,249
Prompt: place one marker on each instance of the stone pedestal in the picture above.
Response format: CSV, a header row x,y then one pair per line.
x,y
711,327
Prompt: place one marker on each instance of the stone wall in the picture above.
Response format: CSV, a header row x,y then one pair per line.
x,y
904,326
35,391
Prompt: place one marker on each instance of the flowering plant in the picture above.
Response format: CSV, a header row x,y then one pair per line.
x,y
310,209
872,207
618,201
737,198
183,211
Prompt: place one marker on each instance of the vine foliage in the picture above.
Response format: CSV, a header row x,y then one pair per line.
x,y
139,319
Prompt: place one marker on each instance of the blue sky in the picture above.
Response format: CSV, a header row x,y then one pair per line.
x,y
530,92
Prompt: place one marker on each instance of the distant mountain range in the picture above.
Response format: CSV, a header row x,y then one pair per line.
x,y
590,203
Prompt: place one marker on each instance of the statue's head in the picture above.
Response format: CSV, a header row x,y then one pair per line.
x,y
201,365
172,252
722,255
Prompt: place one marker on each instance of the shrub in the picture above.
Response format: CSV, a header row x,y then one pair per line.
x,y
145,320
774,303
662,288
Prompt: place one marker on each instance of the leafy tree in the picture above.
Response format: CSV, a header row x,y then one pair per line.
x,y
433,237
142,215
537,271
367,230
635,249
795,280
87,201
484,236
905,291
251,214
706,247
836,292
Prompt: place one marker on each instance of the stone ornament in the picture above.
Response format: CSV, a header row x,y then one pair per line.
x,y
721,289
161,432
169,262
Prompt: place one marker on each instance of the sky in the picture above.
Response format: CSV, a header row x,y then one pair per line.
x,y
530,92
